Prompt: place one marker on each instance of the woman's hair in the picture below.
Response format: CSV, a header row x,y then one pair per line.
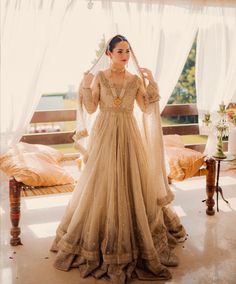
x,y
113,42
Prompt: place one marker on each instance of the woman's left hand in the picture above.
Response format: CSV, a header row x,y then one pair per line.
x,y
147,74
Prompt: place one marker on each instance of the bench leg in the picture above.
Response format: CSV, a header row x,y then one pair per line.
x,y
14,196
210,185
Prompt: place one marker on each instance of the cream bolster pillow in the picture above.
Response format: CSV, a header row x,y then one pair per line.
x,y
36,169
183,162
35,165
173,140
22,147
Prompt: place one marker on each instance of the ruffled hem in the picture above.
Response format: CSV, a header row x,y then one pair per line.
x,y
142,269
118,268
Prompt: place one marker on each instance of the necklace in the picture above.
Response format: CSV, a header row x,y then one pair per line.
x,y
117,98
117,70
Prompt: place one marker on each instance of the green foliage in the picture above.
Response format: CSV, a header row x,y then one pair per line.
x,y
185,91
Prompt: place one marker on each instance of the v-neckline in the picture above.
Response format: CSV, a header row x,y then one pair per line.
x,y
115,85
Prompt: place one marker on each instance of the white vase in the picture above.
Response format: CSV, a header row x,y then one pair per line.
x,y
210,148
232,142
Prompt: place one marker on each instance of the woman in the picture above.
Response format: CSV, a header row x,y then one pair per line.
x,y
117,224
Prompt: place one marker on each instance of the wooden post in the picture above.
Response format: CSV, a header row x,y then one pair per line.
x,y
14,196
210,185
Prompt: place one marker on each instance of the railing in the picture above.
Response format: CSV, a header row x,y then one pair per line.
x,y
64,137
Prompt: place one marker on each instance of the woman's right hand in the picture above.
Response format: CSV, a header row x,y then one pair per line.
x,y
87,80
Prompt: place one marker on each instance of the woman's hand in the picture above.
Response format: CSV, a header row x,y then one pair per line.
x,y
87,80
147,74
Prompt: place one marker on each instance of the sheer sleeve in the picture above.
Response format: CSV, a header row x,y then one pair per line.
x,y
147,96
91,96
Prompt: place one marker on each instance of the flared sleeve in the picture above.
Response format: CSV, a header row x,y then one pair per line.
x,y
90,96
148,95
88,99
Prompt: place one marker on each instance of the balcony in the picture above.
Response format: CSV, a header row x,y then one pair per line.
x,y
61,138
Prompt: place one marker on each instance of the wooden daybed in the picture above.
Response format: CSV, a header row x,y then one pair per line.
x,y
15,189
15,194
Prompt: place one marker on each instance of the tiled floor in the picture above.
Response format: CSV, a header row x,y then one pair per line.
x,y
208,256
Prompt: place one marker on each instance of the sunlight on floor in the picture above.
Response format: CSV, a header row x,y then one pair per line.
x,y
195,184
227,180
44,230
180,211
6,275
223,206
47,201
199,183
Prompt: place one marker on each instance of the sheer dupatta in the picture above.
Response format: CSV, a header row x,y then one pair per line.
x,y
149,125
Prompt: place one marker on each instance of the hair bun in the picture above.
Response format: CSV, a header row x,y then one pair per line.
x,y
113,42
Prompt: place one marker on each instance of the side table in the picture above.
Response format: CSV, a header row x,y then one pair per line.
x,y
217,188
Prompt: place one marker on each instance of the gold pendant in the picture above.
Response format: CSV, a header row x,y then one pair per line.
x,y
117,101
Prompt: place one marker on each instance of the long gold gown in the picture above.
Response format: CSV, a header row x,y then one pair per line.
x,y
113,226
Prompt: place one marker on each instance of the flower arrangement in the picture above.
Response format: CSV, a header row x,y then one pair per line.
x,y
231,114
223,126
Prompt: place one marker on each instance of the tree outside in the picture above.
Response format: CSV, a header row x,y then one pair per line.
x,y
185,90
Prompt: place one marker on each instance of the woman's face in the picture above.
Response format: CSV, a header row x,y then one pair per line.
x,y
120,54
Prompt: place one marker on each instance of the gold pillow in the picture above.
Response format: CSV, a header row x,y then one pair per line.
x,y
173,140
183,162
22,147
37,167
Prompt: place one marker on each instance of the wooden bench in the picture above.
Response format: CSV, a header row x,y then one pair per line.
x,y
64,137
15,189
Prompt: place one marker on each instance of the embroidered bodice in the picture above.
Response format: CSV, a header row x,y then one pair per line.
x,y
101,94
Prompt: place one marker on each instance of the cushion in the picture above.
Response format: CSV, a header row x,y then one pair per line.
x,y
183,162
22,147
37,167
174,140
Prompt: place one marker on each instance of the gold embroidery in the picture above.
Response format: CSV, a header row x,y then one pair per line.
x,y
153,95
117,101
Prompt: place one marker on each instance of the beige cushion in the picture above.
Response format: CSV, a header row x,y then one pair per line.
x,y
35,165
174,140
22,147
183,162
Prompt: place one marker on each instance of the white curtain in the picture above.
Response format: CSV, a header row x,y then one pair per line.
x,y
161,35
28,30
46,46
215,64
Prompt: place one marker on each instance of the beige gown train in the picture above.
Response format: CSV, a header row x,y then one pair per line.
x,y
113,227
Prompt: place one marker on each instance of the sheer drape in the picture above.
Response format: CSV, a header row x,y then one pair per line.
x,y
46,46
161,35
28,30
215,63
